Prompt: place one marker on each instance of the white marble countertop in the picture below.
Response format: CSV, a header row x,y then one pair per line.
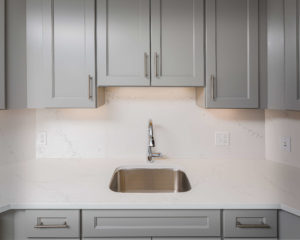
x,y
83,184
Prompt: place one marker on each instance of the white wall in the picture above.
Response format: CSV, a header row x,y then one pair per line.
x,y
119,129
283,124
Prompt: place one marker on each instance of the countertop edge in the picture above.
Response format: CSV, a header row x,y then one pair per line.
x,y
89,206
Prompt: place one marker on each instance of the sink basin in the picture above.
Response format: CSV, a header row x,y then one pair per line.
x,y
149,180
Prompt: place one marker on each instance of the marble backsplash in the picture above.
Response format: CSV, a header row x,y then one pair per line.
x,y
283,124
119,129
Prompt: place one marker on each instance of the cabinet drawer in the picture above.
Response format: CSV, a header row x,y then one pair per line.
x,y
250,223
52,223
150,223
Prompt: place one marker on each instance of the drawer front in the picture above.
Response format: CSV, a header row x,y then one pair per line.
x,y
53,223
250,223
186,238
150,223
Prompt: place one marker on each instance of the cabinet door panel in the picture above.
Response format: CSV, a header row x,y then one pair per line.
x,y
2,54
292,44
177,42
123,35
185,238
70,51
150,223
232,54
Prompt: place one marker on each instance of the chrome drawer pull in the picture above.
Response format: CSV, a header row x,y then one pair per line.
x,y
90,82
146,64
212,79
41,225
156,58
262,225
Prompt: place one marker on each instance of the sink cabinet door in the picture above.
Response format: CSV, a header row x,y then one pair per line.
x,y
151,223
185,238
116,238
123,39
61,53
2,54
177,42
251,239
232,70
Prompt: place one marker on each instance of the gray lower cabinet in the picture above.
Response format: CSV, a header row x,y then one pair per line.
x,y
61,53
251,239
151,223
2,54
292,44
232,55
250,223
186,238
289,226
156,238
52,223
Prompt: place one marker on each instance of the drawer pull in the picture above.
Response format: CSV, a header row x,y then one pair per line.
x,y
90,84
41,225
262,225
212,79
156,58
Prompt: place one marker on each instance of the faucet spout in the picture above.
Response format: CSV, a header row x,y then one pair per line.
x,y
151,143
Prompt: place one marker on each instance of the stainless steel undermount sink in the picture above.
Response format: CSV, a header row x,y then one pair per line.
x,y
149,180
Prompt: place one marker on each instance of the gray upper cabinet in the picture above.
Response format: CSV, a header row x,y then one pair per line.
x,y
123,38
292,44
232,60
61,53
176,38
2,54
177,42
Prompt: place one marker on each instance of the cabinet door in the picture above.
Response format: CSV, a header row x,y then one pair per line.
x,y
177,42
71,38
150,223
288,226
123,37
61,53
185,238
232,54
2,54
292,44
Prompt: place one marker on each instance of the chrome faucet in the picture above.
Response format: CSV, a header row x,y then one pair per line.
x,y
151,143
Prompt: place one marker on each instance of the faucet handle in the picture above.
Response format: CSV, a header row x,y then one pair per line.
x,y
156,155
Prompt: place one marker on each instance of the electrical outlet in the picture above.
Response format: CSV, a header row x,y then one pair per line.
x,y
222,139
42,138
285,144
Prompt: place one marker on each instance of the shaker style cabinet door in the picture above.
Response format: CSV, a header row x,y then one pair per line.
x,y
123,39
232,72
61,52
2,54
177,42
292,44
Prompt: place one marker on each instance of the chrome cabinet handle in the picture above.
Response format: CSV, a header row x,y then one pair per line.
x,y
212,80
262,225
90,79
156,58
41,225
146,65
